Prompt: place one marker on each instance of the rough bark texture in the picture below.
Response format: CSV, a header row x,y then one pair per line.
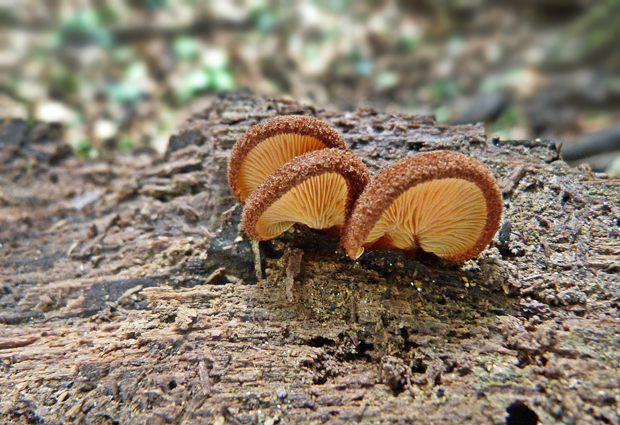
x,y
127,297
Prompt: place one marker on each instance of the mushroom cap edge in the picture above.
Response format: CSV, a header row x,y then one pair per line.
x,y
400,176
299,169
281,124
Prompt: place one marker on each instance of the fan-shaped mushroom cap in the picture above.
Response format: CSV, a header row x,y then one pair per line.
x,y
317,189
443,202
272,143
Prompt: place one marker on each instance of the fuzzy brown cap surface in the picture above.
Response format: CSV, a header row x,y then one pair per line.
x,y
400,176
284,124
298,170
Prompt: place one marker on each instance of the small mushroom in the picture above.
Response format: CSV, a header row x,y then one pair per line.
x,y
442,202
272,143
317,189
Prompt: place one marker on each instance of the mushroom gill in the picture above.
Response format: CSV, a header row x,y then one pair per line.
x,y
317,189
272,143
442,202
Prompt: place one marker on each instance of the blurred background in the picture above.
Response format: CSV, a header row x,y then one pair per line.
x,y
125,74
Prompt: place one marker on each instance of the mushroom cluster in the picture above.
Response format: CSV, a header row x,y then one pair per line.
x,y
298,169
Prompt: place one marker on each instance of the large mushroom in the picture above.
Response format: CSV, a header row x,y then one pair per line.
x,y
442,202
272,143
317,189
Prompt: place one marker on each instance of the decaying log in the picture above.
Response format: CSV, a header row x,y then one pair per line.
x,y
129,295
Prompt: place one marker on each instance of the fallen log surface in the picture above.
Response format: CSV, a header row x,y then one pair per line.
x,y
129,295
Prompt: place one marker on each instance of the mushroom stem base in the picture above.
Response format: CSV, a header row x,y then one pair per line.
x,y
258,268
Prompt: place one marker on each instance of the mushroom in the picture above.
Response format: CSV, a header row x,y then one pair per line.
x,y
272,143
317,189
442,202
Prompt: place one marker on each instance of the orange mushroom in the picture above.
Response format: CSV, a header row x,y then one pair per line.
x,y
442,202
272,143
317,189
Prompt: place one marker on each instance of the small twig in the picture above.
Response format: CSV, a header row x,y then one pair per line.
x,y
607,140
